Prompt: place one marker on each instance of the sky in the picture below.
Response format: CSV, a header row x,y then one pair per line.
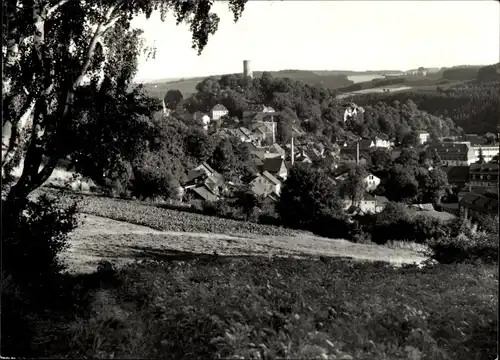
x,y
328,35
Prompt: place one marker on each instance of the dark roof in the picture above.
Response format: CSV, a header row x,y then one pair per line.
x,y
251,147
479,190
456,174
480,203
273,165
194,174
475,139
489,167
451,147
203,192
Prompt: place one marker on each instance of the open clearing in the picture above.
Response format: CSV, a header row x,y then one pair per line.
x,y
99,238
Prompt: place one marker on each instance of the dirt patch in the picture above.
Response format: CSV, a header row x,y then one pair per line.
x,y
121,242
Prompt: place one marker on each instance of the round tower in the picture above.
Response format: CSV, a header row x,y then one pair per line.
x,y
247,68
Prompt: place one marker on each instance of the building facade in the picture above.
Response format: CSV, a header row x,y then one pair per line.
x,y
483,175
454,154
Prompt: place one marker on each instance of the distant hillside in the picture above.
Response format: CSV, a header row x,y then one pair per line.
x,y
489,73
462,72
187,87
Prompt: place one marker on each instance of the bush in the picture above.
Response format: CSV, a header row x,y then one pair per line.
x,y
34,233
463,249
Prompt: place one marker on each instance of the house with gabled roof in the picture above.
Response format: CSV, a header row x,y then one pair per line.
x,y
484,175
474,206
265,184
218,111
276,166
454,154
276,150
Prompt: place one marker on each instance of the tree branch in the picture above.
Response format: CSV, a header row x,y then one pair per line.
x,y
99,31
54,8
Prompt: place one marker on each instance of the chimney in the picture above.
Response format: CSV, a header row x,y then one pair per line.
x,y
293,155
274,132
357,152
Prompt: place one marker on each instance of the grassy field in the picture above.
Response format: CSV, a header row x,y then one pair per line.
x,y
251,307
99,238
256,308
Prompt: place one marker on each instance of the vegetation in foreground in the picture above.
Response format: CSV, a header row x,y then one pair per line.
x,y
147,214
280,308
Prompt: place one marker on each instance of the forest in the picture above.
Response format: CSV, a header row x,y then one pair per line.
x,y
474,106
315,108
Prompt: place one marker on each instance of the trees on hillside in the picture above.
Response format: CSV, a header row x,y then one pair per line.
x,y
172,99
51,48
355,186
308,196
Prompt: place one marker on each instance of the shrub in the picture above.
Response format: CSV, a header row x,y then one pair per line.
x,y
34,233
154,176
464,249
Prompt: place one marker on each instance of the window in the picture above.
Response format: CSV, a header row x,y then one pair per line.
x,y
481,177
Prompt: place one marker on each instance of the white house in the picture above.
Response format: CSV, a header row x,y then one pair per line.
x,y
489,151
219,111
383,143
204,118
265,183
423,137
371,181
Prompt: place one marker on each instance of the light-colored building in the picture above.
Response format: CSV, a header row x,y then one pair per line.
x,y
380,143
218,111
453,153
371,181
423,137
203,118
369,205
489,151
265,184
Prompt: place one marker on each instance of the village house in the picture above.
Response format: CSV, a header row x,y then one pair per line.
x,y
423,137
218,111
276,166
204,119
381,143
488,151
204,183
265,184
275,150
479,144
368,205
474,206
484,175
371,181
454,154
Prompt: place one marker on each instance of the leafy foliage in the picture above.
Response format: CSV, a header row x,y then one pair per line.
x,y
307,198
473,106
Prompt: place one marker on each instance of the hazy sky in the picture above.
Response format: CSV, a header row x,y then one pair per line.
x,y
329,35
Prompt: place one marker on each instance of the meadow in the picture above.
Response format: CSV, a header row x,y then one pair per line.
x,y
280,308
